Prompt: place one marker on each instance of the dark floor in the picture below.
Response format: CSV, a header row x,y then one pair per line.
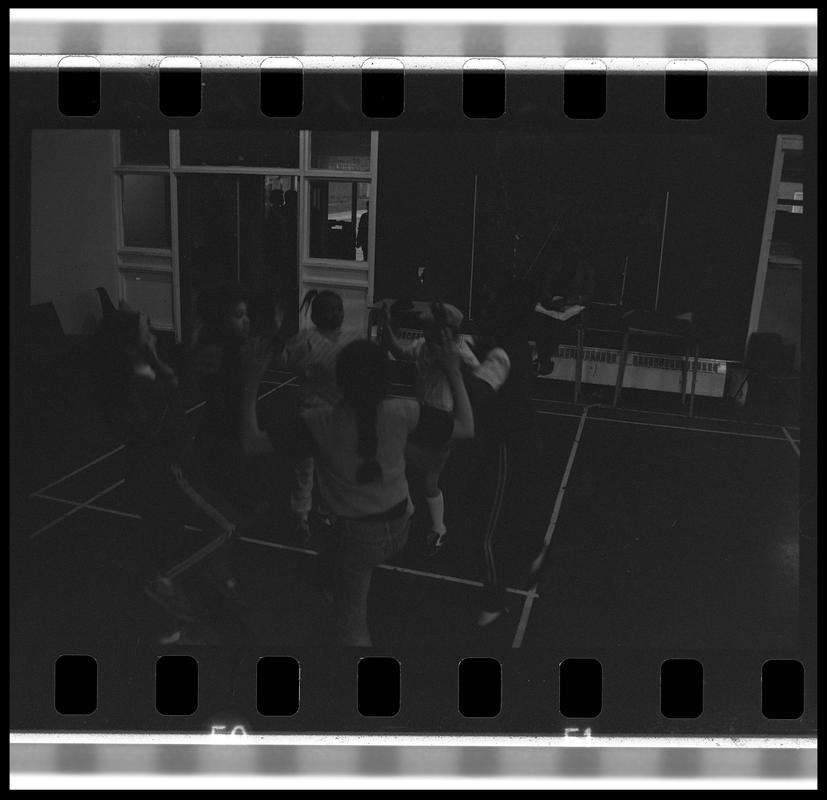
x,y
664,532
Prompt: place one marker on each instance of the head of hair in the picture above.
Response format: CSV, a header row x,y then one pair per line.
x,y
326,309
291,198
215,303
362,375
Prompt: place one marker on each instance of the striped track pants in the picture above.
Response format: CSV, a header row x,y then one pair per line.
x,y
497,476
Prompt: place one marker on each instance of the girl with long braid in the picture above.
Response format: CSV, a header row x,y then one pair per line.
x,y
359,447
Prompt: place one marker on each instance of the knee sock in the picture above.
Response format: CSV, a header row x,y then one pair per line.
x,y
436,506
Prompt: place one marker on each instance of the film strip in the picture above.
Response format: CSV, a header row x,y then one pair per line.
x,y
696,627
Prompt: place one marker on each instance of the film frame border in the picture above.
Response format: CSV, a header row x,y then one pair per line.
x,y
812,72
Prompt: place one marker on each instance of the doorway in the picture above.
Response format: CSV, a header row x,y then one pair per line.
x,y
239,228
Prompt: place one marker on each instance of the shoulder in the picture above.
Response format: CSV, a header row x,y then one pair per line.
x,y
300,337
299,342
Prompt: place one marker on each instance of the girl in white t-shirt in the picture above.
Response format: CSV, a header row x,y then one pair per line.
x,y
311,354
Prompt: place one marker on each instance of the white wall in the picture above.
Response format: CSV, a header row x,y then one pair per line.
x,y
73,224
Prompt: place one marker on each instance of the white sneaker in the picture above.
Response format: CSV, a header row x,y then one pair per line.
x,y
171,638
434,542
170,597
488,617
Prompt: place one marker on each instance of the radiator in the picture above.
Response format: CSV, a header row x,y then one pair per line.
x,y
659,373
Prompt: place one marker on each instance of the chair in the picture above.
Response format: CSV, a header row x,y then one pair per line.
x,y
642,324
107,307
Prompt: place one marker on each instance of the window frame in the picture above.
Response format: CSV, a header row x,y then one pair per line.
x,y
167,260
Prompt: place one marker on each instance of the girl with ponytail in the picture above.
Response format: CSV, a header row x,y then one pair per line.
x,y
434,390
359,446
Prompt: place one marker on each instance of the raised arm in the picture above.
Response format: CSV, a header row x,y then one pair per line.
x,y
163,370
255,359
463,415
393,345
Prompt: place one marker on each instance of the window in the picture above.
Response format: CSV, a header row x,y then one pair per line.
x,y
151,293
146,211
340,151
240,148
145,147
338,220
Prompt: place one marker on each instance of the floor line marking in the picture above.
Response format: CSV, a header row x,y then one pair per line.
x,y
391,567
631,410
534,399
644,424
275,545
791,441
276,388
77,508
89,506
196,557
121,447
558,503
671,427
113,511
279,546
79,469
604,404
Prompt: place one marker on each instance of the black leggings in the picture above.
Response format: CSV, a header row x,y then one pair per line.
x,y
509,476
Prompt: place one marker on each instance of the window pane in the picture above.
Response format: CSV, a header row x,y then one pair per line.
x,y
151,293
345,151
339,220
240,148
146,211
145,147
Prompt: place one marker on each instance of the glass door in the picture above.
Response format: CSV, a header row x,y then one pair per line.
x,y
338,215
239,228
208,236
